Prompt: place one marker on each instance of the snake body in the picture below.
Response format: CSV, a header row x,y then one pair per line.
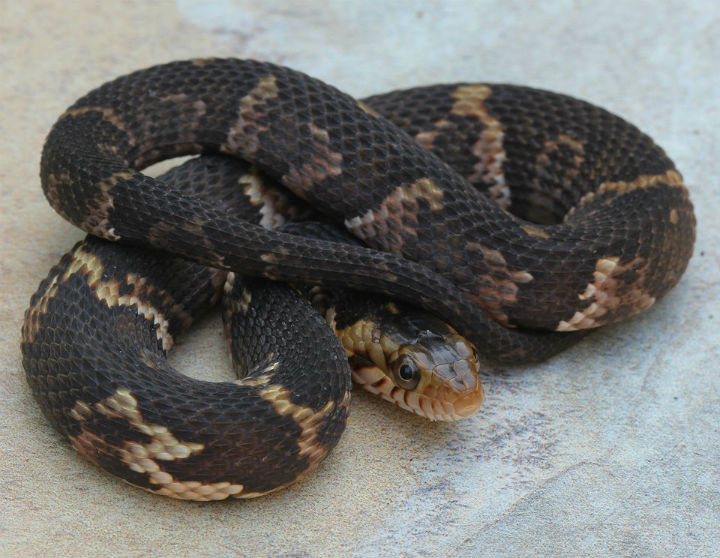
x,y
522,217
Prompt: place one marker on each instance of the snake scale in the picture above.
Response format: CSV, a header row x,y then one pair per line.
x,y
522,217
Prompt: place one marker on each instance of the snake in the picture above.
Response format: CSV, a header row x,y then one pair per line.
x,y
524,218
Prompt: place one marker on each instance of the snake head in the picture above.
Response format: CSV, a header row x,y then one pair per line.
x,y
416,361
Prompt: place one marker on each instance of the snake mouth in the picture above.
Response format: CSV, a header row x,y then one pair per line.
x,y
436,402
462,397
468,403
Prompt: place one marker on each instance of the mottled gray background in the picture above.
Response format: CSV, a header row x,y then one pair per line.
x,y
610,449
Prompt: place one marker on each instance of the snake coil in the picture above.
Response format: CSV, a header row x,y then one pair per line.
x,y
524,218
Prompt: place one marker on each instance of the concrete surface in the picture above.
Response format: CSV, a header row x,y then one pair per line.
x,y
610,449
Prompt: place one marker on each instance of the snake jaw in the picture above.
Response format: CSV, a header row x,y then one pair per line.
x,y
457,386
464,394
453,380
444,384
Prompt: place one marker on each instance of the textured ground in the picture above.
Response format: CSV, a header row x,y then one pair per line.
x,y
611,449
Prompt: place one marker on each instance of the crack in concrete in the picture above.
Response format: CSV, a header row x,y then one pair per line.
x,y
598,463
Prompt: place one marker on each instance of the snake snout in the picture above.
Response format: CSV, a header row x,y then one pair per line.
x,y
460,389
469,403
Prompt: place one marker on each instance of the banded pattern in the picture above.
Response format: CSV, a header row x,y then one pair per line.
x,y
455,252
284,354
94,346
522,217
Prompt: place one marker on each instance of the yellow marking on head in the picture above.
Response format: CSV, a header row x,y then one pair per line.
x,y
447,390
365,339
389,346
359,336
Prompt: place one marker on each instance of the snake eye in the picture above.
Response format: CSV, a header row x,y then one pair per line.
x,y
475,354
407,374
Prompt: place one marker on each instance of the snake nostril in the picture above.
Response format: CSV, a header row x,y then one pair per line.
x,y
465,382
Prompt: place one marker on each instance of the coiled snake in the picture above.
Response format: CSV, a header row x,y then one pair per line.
x,y
522,217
